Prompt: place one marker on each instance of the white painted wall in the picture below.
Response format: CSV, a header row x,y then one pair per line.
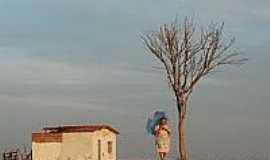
x,y
105,135
46,151
77,146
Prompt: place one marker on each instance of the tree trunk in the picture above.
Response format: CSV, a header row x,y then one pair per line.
x,y
183,152
182,144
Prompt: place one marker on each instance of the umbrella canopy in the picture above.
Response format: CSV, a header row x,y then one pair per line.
x,y
153,120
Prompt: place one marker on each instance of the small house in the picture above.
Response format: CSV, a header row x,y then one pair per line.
x,y
88,142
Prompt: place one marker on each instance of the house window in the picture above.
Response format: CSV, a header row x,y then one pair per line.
x,y
110,147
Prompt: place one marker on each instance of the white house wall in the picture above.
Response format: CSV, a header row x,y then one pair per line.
x,y
46,151
105,135
77,146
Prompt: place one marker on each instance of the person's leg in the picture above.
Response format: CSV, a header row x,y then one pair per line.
x,y
160,155
164,155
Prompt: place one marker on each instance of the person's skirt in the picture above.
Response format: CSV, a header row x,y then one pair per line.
x,y
163,145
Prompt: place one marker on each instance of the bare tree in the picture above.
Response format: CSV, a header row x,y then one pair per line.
x,y
18,154
24,154
188,55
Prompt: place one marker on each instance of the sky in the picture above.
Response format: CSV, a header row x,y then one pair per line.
x,y
83,62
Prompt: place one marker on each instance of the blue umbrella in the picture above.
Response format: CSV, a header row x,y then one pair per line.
x,y
153,121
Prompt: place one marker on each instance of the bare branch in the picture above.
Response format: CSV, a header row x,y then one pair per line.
x,y
188,54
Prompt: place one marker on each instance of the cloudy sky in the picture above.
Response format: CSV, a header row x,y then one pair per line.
x,y
80,62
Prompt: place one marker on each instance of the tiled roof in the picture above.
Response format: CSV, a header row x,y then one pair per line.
x,y
78,128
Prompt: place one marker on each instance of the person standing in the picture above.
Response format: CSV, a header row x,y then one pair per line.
x,y
162,137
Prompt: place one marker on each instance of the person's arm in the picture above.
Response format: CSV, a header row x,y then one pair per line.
x,y
167,129
156,130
